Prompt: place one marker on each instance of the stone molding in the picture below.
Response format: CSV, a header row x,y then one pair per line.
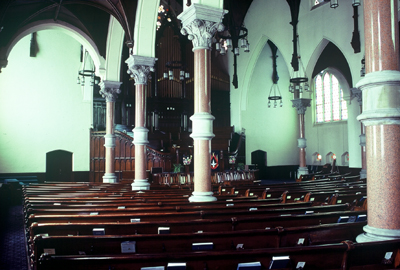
x,y
202,126
380,98
139,68
301,143
109,178
356,93
200,23
206,196
140,136
377,234
109,141
110,90
301,104
140,184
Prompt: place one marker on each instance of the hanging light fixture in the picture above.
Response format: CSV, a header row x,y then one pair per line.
x,y
298,78
362,71
274,92
86,71
232,38
334,3
275,95
356,3
171,65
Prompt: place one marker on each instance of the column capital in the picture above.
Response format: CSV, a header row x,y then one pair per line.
x,y
301,104
139,68
200,23
356,93
109,90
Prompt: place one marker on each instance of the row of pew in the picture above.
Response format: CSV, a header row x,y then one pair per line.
x,y
302,225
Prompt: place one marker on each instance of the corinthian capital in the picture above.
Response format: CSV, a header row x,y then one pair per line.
x,y
139,68
301,104
200,24
109,90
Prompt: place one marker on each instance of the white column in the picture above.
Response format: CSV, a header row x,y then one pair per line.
x,y
139,68
109,90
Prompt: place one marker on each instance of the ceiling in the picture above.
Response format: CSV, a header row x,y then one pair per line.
x,y
90,16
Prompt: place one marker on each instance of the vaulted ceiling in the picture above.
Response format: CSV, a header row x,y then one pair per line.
x,y
90,16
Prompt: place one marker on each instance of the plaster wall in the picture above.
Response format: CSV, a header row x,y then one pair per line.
x,y
270,20
42,105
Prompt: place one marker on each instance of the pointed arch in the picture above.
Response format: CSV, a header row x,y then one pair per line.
x,y
68,29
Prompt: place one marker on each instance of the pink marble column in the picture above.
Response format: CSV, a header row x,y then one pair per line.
x,y
381,117
301,105
109,90
200,24
139,67
140,122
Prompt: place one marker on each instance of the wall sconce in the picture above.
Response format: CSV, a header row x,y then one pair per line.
x,y
334,3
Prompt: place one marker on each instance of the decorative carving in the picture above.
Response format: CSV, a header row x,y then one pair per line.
x,y
200,23
356,93
109,90
301,104
201,32
139,68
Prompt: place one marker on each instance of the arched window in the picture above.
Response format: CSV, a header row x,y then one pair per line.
x,y
329,103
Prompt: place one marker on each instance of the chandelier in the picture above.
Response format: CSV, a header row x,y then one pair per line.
x,y
298,77
171,65
87,70
274,92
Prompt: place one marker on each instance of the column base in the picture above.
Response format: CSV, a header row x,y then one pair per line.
x,y
202,197
363,174
302,171
140,184
372,234
109,178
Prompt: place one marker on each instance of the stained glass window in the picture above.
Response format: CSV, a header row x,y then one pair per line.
x,y
329,103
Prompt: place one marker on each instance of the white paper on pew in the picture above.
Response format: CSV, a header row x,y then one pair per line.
x,y
229,200
239,246
268,195
56,203
388,255
121,207
135,220
176,266
128,247
339,201
230,204
249,266
253,209
94,213
301,241
163,230
300,264
99,231
153,268
203,246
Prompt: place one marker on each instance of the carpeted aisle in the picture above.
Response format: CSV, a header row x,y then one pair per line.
x,y
12,245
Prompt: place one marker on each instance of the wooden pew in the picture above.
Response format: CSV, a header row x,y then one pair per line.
x,y
182,242
206,225
122,215
345,255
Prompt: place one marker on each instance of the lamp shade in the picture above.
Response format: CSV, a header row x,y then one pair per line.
x,y
334,3
356,3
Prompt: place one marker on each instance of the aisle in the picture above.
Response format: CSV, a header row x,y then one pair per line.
x,y
12,245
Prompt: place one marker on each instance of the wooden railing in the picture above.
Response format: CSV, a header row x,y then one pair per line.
x,y
124,156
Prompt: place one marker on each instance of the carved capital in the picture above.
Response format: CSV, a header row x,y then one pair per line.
x,y
356,93
139,68
301,104
200,24
110,90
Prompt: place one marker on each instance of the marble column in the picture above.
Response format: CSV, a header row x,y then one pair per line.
x,y
381,117
109,90
139,68
200,24
301,105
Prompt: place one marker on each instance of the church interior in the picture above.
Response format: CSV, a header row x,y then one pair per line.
x,y
199,134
